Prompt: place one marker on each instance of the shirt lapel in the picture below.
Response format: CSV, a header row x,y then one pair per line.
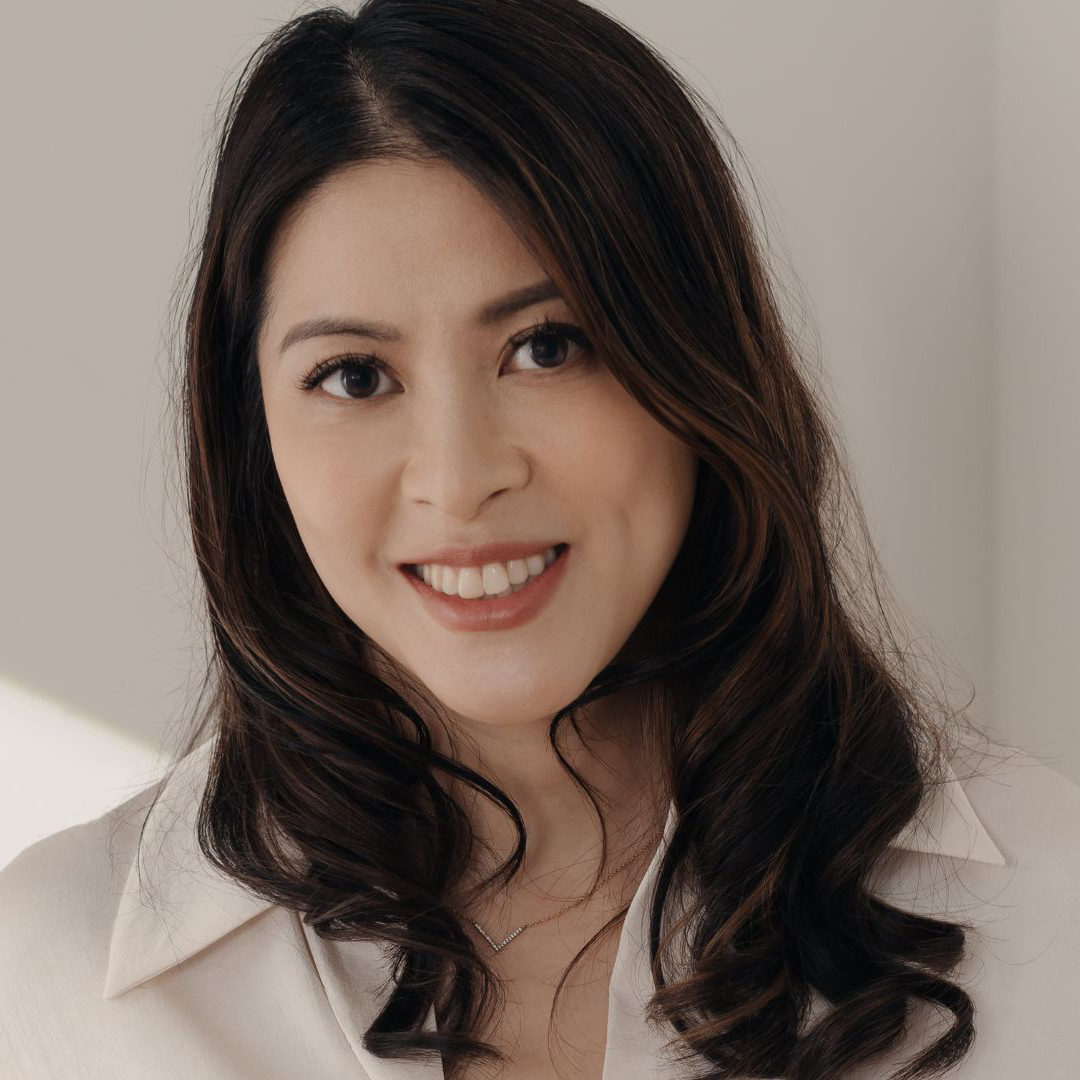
x,y
948,825
357,976
175,904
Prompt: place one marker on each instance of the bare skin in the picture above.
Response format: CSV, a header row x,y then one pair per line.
x,y
530,968
464,439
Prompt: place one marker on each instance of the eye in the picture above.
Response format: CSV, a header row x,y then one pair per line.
x,y
545,343
357,377
355,374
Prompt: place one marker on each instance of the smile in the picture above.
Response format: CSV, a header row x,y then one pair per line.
x,y
471,606
490,581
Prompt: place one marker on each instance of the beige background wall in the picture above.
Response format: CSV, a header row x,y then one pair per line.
x,y
917,162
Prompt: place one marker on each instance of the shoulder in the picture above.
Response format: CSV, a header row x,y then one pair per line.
x,y
1029,929
1016,894
1031,811
64,872
1023,945
59,898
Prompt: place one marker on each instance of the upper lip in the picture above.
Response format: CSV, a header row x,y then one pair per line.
x,y
483,553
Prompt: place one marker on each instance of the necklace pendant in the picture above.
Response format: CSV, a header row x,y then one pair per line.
x,y
506,941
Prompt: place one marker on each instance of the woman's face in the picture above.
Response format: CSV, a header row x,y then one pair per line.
x,y
463,438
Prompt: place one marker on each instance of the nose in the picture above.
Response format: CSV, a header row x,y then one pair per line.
x,y
463,454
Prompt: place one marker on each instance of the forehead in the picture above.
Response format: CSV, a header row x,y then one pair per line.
x,y
383,236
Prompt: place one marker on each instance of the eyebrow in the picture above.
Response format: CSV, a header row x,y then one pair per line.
x,y
494,311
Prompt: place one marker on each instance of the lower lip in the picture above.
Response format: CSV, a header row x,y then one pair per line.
x,y
504,613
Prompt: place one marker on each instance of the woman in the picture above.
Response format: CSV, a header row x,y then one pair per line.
x,y
549,730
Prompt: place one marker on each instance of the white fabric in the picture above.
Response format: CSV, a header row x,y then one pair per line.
x,y
198,979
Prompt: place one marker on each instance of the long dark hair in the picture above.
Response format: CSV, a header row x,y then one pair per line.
x,y
789,729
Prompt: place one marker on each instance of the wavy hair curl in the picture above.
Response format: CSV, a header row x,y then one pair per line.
x,y
791,734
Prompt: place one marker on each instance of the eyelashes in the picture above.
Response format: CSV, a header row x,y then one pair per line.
x,y
348,362
372,363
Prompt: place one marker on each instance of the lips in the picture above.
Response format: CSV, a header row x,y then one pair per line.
x,y
493,613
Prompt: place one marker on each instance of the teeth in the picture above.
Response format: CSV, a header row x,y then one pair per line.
x,y
490,581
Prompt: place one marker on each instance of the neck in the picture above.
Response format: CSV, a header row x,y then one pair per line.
x,y
561,824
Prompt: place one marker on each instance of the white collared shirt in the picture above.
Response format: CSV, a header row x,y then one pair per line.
x,y
196,979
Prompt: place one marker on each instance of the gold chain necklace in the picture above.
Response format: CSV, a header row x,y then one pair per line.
x,y
562,911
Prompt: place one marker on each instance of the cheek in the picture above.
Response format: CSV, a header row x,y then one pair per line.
x,y
631,464
326,485
652,485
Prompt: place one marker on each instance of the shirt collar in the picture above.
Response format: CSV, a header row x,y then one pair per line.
x,y
189,904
